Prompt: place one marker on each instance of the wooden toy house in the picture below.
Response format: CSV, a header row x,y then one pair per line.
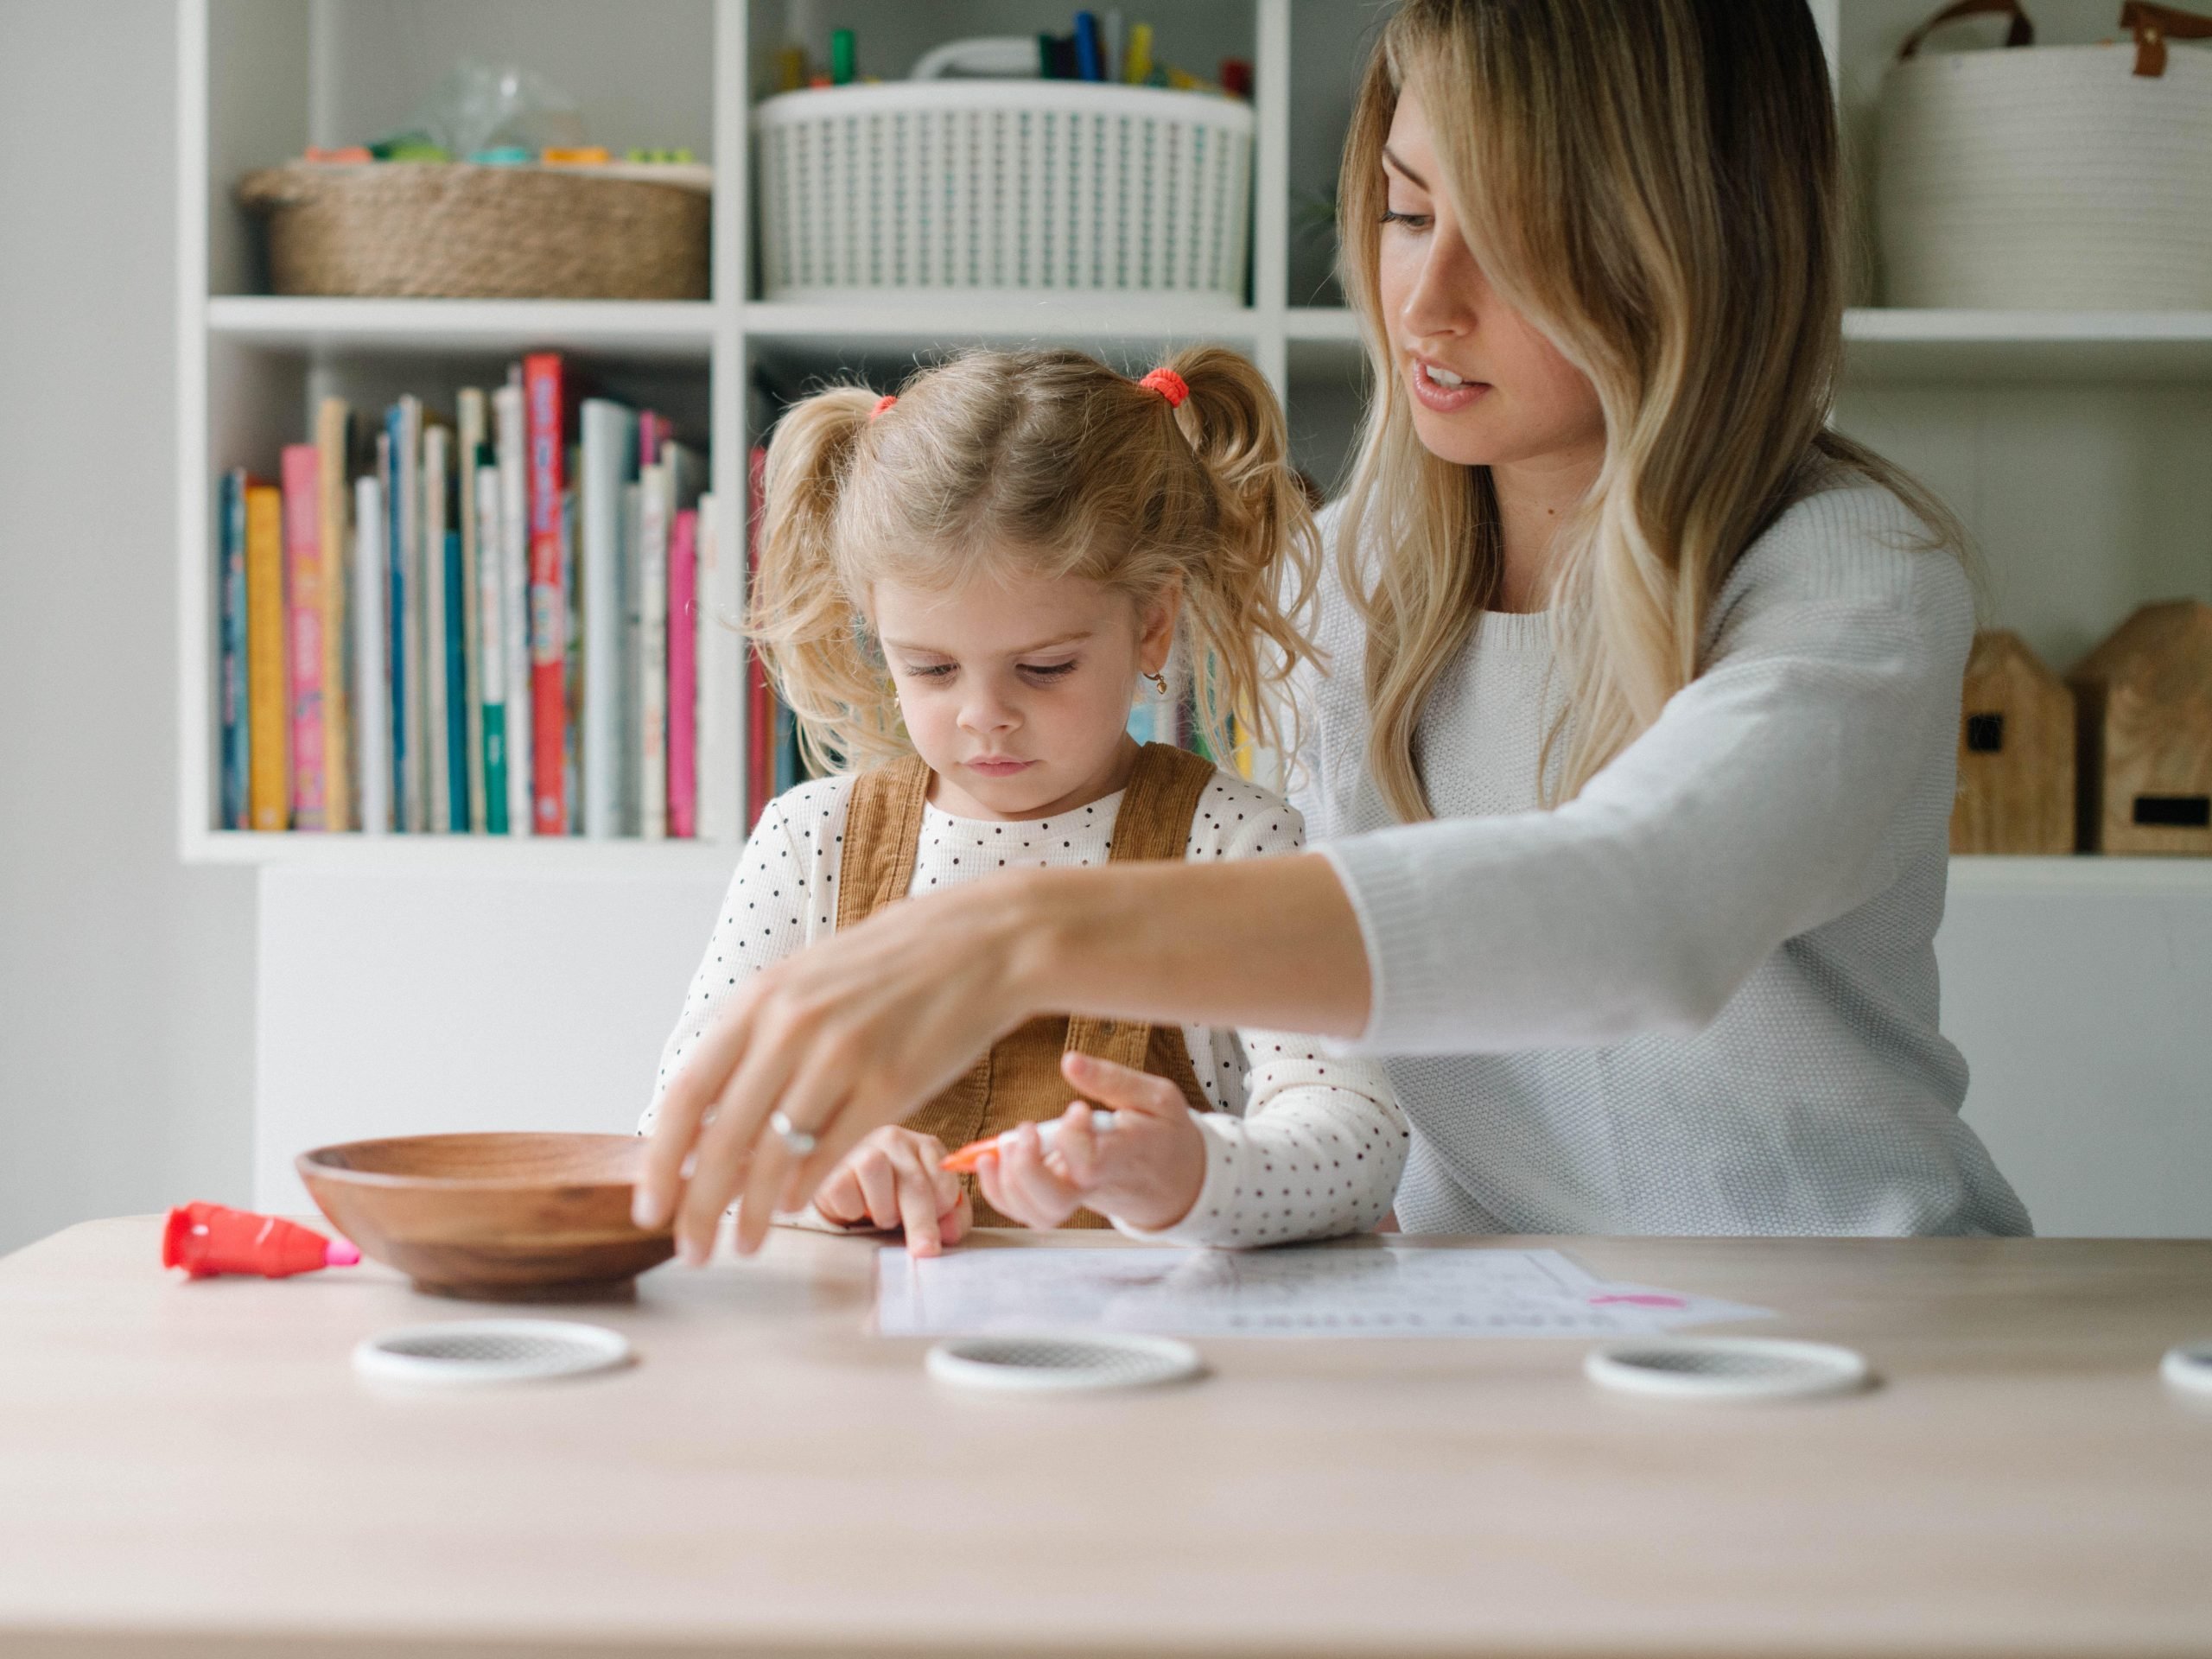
x,y
2016,753
2144,700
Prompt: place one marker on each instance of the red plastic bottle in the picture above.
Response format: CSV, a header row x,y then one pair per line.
x,y
205,1239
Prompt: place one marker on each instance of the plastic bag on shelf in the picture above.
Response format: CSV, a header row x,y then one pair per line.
x,y
480,106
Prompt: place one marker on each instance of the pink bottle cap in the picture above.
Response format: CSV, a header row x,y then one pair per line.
x,y
339,1253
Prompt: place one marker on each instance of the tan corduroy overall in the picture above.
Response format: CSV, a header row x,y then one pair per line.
x,y
1019,1081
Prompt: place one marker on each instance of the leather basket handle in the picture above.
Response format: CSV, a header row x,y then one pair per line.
x,y
2022,32
2152,25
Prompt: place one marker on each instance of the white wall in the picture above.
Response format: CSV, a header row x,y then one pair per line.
x,y
126,981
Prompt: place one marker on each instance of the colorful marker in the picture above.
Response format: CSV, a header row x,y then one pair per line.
x,y
964,1161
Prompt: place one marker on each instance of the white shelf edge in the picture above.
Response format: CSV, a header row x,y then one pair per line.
x,y
1891,325
655,326
2086,875
894,315
525,857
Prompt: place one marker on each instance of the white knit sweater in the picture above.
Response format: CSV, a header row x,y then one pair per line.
x,y
1700,998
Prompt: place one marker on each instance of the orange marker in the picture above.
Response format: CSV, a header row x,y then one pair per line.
x,y
964,1162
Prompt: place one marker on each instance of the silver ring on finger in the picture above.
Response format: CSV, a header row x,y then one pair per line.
x,y
796,1141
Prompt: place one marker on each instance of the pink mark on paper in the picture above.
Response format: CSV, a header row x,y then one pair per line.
x,y
1639,1300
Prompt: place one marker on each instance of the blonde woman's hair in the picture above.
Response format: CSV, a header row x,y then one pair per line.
x,y
1045,463
1653,185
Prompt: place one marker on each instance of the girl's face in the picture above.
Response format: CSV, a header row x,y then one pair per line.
x,y
1017,693
1486,389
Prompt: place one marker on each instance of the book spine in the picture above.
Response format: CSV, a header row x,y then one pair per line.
x,y
541,393
609,460
631,768
682,676
395,610
457,670
760,700
652,658
469,408
271,793
719,694
371,659
571,662
334,447
237,755
437,695
514,594
484,507
407,466
302,475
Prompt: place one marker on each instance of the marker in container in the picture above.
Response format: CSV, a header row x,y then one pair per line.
x,y
964,1161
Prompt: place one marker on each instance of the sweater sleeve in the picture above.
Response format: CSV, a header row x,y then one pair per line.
x,y
1756,807
765,918
1322,1141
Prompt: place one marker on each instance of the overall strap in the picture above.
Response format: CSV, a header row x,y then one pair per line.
x,y
883,827
1153,823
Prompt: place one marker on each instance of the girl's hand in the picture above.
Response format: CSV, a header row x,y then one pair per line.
x,y
892,1180
1147,1170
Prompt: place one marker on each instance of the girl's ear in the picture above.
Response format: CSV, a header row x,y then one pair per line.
x,y
1156,625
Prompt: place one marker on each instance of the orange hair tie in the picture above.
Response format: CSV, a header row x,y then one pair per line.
x,y
882,403
1169,384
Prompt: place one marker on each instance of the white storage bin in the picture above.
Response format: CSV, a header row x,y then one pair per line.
x,y
1022,185
2055,178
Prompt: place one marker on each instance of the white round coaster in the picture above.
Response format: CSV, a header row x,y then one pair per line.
x,y
1049,1362
462,1353
1726,1368
2189,1368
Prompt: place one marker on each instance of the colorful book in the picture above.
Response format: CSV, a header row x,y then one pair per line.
x,y
303,616
514,587
236,754
371,661
438,462
760,699
571,661
270,794
491,654
683,674
473,418
403,520
542,394
720,688
633,649
456,675
334,442
610,460
652,658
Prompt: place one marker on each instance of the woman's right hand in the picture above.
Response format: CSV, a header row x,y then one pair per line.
x,y
892,1180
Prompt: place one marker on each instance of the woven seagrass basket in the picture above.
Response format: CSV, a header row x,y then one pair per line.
x,y
450,230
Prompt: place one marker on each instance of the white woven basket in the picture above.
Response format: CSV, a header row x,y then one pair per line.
x,y
1012,185
2048,178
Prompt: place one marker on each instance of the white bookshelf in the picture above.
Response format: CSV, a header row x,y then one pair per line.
x,y
2074,444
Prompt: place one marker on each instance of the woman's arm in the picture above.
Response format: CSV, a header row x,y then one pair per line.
x,y
868,1024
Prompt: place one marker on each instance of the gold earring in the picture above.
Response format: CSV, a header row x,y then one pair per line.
x,y
1159,680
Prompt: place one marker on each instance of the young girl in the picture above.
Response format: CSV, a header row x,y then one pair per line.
x,y
1633,761
958,591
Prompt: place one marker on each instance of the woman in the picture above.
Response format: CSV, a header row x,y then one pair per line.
x,y
1634,757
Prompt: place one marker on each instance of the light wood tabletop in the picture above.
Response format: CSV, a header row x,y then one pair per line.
x,y
193,1469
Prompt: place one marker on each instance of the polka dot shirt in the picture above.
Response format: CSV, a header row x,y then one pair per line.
x,y
1300,1144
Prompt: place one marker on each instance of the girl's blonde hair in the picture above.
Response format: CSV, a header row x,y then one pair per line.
x,y
1654,187
1050,463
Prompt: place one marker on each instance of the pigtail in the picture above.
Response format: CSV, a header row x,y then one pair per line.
x,y
802,615
1246,603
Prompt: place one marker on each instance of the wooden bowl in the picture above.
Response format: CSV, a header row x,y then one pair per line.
x,y
493,1217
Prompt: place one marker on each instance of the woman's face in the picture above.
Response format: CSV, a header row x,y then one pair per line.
x,y
1486,389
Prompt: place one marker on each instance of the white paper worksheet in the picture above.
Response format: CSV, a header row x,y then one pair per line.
x,y
1369,1291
